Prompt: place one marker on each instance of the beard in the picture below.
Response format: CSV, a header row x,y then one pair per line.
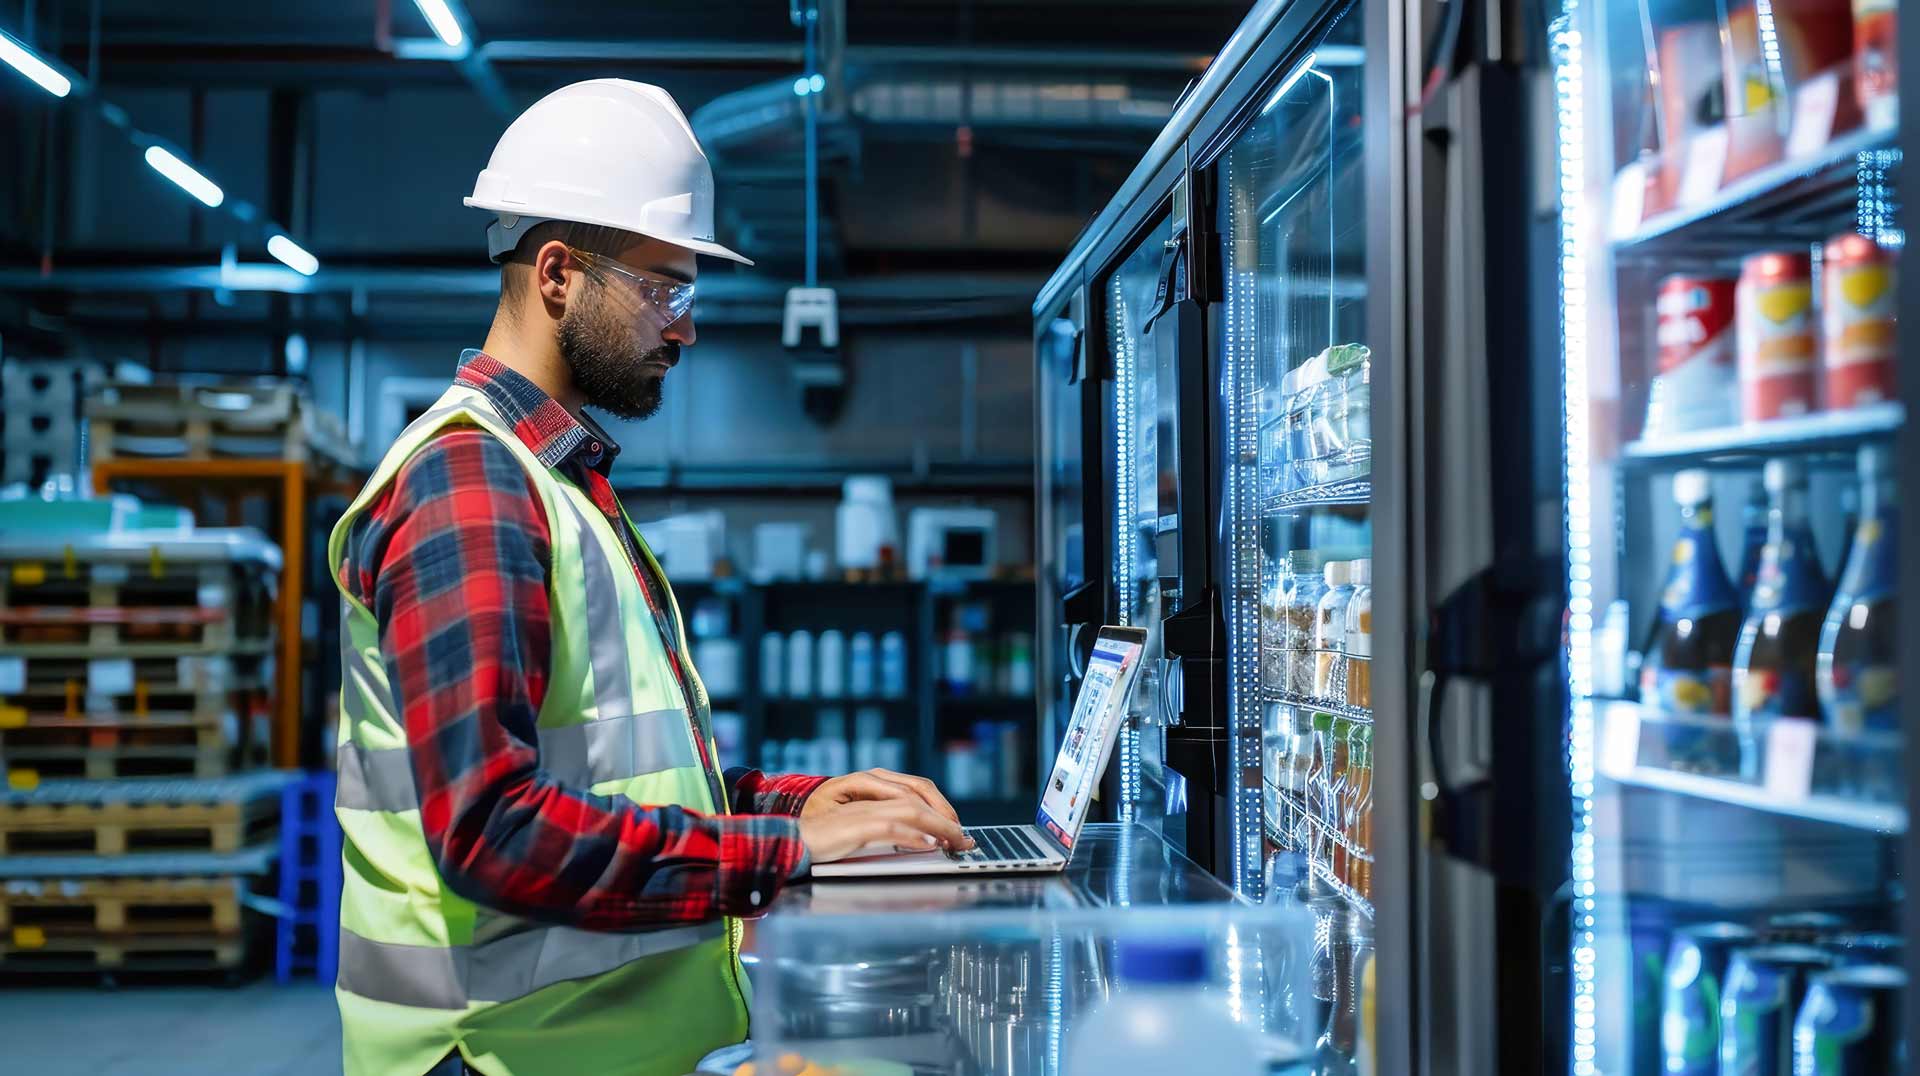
x,y
609,364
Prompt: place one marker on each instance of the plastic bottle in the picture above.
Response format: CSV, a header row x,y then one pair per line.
x,y
1359,633
1019,664
1160,1021
1857,669
860,665
773,665
1773,663
1303,603
1689,654
893,665
800,665
1330,633
833,664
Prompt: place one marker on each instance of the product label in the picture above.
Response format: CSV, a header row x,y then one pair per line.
x,y
1696,584
1864,697
1689,691
1777,349
1776,692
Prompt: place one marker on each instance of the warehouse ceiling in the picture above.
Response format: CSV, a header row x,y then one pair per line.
x,y
961,141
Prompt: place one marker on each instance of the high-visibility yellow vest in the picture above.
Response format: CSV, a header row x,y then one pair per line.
x,y
424,971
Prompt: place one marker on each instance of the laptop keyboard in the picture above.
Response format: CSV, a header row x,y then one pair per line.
x,y
1001,844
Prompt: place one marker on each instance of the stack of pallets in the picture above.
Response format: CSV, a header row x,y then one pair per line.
x,y
263,419
134,673
40,426
110,878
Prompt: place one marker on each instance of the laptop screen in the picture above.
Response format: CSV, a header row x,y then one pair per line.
x,y
1096,718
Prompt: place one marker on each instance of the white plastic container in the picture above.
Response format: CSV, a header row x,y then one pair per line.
x,y
833,664
864,523
860,665
800,665
893,665
773,665
1160,1021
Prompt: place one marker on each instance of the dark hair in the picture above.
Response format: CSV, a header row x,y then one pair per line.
x,y
592,238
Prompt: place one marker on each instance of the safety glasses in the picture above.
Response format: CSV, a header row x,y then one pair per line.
x,y
670,298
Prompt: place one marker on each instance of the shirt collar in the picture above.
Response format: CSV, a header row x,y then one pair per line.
x,y
547,428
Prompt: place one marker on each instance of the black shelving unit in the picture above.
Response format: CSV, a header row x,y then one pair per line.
x,y
926,717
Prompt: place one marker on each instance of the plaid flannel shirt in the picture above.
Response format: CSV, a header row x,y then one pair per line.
x,y
453,559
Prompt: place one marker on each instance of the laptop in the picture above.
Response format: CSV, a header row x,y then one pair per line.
x,y
1047,844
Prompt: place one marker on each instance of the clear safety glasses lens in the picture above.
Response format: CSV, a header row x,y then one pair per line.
x,y
670,298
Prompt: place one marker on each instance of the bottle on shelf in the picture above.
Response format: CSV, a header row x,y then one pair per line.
x,y
893,665
1359,823
1020,664
1162,1019
1276,588
1857,666
833,664
1773,662
1689,653
1359,637
1303,606
1753,537
800,665
1340,762
1330,633
1319,772
773,665
860,665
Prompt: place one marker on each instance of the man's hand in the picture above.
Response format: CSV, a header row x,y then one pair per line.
x,y
876,810
873,826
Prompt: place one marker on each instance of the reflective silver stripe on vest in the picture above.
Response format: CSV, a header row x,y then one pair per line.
x,y
616,748
513,965
374,779
606,629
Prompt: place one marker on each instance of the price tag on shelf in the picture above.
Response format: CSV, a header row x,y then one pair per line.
x,y
1706,164
1814,108
1620,741
1629,200
110,676
13,676
1790,748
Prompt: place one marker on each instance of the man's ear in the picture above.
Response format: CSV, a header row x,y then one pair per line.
x,y
550,280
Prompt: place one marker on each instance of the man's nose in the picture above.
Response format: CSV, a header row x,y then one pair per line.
x,y
681,331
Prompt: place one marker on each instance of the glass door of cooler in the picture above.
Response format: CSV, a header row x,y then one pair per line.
x,y
1144,515
1073,588
1736,401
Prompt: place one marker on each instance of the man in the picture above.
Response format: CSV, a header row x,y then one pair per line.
x,y
543,865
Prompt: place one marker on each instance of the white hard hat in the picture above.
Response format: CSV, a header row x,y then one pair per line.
x,y
609,152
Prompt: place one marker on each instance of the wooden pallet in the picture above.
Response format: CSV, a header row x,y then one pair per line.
x,y
108,629
144,755
89,907
46,679
133,953
111,829
209,421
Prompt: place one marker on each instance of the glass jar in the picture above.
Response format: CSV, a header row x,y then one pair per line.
x,y
1330,634
1359,632
1275,590
1302,609
1360,419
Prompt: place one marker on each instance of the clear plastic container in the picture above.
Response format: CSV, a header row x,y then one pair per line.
x,y
1359,631
1302,609
1274,592
1330,633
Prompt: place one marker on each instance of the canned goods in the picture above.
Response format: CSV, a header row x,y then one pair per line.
x,y
1805,928
1693,388
1857,312
1876,66
1690,1002
1849,949
1773,314
1765,986
1850,1023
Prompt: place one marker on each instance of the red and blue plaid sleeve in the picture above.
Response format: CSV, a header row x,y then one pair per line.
x,y
455,560
754,792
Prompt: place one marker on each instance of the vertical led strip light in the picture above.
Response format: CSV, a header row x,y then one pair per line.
x,y
1569,91
1123,535
1243,484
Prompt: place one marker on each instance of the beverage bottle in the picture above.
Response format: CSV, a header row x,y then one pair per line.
x,y
1161,1019
893,665
1359,814
1319,776
1773,662
832,650
1857,667
1753,536
860,665
1330,633
800,665
1331,811
1359,632
1849,523
1689,652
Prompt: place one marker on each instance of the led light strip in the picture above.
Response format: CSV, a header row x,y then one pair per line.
x,y
1570,90
1123,534
1241,494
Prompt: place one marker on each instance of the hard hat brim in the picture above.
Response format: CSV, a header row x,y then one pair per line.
x,y
698,246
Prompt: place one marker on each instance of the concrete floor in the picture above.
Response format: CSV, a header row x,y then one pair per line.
x,y
259,1029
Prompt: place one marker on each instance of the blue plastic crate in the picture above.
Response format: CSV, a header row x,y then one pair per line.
x,y
307,937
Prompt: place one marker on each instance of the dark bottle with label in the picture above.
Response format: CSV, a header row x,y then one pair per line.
x,y
1774,660
1753,537
1689,654
1857,670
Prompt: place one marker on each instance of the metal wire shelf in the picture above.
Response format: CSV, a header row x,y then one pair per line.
x,y
1324,706
1351,491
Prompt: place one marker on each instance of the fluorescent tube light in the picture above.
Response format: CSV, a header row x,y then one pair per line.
x,y
21,59
185,175
293,255
440,17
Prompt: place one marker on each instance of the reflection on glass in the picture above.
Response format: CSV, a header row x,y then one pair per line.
x,y
1297,386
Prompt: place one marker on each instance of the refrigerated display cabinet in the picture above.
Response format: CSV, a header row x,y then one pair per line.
x,y
1293,384
1730,227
